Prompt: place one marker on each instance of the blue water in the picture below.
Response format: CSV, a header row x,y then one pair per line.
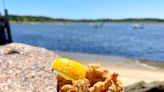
x,y
118,39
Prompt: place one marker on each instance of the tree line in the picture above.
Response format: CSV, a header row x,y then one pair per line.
x,y
15,18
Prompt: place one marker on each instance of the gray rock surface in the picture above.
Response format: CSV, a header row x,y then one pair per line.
x,y
25,68
146,87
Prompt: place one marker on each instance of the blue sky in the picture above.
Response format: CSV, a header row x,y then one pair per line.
x,y
88,9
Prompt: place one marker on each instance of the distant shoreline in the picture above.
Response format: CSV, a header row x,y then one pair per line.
x,y
42,19
37,22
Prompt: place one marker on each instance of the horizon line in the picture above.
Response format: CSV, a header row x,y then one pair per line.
x,y
86,18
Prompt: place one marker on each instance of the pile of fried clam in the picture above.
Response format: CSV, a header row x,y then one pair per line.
x,y
97,79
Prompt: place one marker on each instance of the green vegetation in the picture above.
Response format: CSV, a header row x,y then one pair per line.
x,y
14,18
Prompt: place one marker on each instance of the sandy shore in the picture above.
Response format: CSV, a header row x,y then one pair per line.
x,y
130,70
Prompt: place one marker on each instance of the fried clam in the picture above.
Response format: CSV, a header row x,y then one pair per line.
x,y
97,79
95,74
62,81
81,85
111,84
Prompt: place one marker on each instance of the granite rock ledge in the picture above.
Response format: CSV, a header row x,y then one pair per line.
x,y
25,68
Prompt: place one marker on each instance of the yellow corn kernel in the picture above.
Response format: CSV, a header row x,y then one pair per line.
x,y
68,69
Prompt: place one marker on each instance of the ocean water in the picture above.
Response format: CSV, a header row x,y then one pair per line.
x,y
118,39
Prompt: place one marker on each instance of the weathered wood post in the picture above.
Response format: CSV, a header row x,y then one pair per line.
x,y
7,26
5,33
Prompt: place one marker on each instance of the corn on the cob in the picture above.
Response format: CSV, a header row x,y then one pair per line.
x,y
69,69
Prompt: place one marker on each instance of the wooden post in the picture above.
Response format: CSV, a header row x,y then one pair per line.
x,y
5,34
7,26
